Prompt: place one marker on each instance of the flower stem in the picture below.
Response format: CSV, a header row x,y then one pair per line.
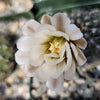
x,y
30,88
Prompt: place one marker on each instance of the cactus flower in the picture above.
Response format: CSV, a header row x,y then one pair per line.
x,y
51,50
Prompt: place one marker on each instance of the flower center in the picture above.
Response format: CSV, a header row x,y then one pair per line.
x,y
56,45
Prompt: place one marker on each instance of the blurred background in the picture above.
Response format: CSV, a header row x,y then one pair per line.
x,y
13,83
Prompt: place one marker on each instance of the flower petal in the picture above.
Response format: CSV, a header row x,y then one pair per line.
x,y
21,57
60,34
25,43
30,70
42,37
46,27
55,84
74,50
81,58
53,59
59,68
36,54
30,27
69,74
68,56
60,21
46,19
81,43
46,72
74,32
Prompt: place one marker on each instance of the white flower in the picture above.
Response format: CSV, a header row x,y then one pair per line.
x,y
50,50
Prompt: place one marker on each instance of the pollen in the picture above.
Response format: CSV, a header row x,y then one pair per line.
x,y
56,45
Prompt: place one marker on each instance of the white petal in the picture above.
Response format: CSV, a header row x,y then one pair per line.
x,y
56,84
74,50
36,54
53,59
46,19
74,32
46,72
60,34
46,27
25,43
69,74
68,56
21,57
42,37
60,21
59,68
63,51
81,43
30,27
81,58
30,70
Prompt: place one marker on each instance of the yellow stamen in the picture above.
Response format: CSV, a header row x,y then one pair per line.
x,y
55,45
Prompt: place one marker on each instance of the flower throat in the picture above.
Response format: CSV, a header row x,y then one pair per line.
x,y
56,45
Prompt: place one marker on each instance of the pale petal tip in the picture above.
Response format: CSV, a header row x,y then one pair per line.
x,y
60,21
21,57
24,43
74,32
85,60
56,84
57,14
81,58
85,45
81,43
18,58
30,27
46,19
69,74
